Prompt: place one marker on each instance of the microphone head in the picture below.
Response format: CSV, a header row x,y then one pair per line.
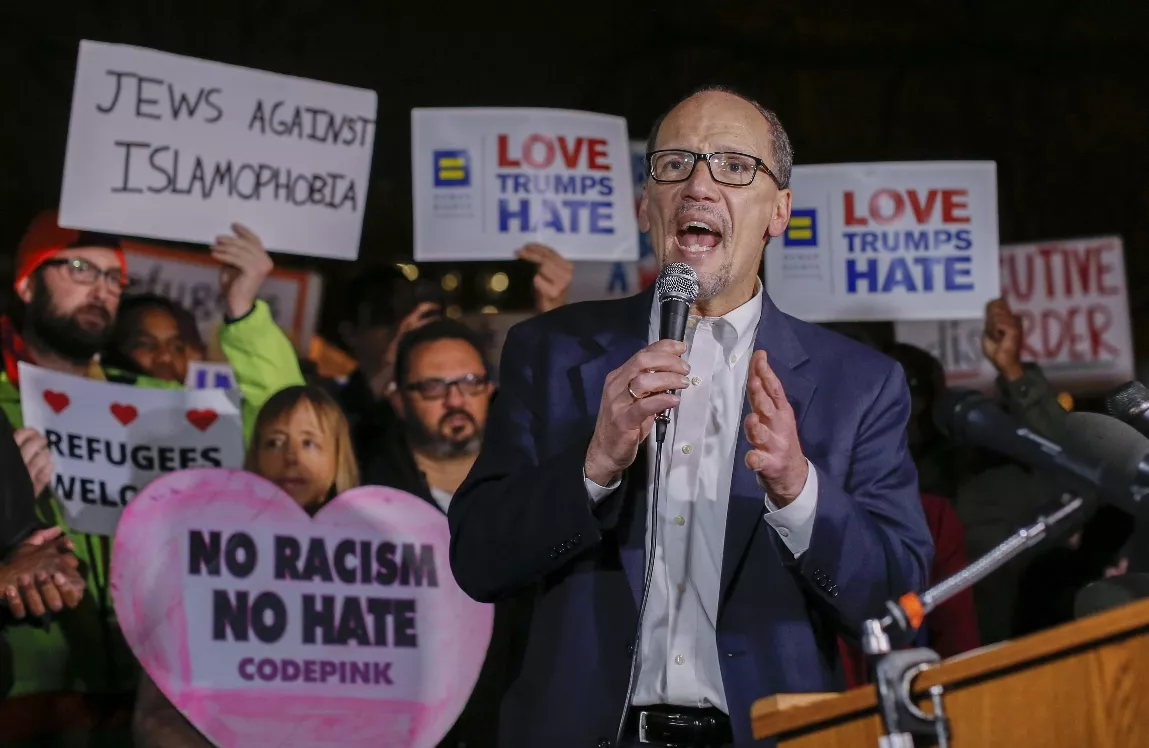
x,y
677,281
1107,440
1127,401
952,408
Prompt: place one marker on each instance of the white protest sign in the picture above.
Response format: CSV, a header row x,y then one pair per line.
x,y
110,440
207,375
191,279
488,181
896,241
173,147
1072,300
607,280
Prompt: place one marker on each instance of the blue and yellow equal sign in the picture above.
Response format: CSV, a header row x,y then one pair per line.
x,y
802,231
452,169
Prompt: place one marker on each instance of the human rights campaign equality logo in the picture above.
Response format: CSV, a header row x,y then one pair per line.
x,y
452,169
802,230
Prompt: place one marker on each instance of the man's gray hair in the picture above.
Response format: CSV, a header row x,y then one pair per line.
x,y
781,152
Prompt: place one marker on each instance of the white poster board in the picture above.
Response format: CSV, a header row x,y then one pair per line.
x,y
209,375
610,280
191,279
178,148
488,181
110,440
888,241
1072,299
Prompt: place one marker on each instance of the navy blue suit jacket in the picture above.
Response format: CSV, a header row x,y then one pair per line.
x,y
523,527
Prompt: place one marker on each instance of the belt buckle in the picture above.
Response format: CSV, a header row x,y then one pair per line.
x,y
642,737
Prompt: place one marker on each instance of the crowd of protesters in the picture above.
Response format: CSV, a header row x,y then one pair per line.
x,y
411,416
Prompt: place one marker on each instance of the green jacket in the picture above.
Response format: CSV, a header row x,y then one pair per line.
x,y
83,650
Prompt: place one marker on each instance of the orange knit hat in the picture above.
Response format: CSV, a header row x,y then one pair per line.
x,y
45,239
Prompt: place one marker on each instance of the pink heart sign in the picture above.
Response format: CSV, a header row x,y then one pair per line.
x,y
267,627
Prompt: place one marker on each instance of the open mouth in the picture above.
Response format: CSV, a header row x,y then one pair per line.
x,y
698,235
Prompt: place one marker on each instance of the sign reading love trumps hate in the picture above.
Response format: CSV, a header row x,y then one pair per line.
x,y
178,148
265,626
110,440
488,181
896,241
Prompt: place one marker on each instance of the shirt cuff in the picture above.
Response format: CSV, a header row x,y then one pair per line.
x,y
596,492
794,522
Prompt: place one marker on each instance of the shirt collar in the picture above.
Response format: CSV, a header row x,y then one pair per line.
x,y
735,330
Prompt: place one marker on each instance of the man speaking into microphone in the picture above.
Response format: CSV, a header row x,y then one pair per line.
x,y
787,509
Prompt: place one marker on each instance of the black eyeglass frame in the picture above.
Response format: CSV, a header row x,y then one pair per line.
x,y
759,164
469,385
113,277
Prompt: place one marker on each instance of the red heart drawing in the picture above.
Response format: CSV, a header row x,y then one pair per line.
x,y
125,414
202,419
165,612
57,401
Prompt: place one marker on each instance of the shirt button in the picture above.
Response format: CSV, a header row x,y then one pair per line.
x,y
680,521
696,381
681,588
783,532
687,449
679,659
733,359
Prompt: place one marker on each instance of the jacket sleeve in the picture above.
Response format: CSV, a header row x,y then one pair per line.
x,y
870,541
1031,400
262,358
520,514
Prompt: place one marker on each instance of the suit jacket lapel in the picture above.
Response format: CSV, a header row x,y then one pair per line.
x,y
619,339
747,500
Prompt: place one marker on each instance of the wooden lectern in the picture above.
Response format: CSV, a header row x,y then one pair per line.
x,y
1081,685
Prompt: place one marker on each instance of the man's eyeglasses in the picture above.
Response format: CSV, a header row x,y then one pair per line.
x,y
86,273
735,169
436,389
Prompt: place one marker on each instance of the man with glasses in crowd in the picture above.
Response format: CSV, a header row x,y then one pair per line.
x,y
788,508
442,394
70,284
441,397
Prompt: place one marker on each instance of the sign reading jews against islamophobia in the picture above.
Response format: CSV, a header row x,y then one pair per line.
x,y
893,241
488,181
177,148
268,627
110,440
1073,303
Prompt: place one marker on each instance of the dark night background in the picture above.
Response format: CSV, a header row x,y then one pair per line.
x,y
1056,92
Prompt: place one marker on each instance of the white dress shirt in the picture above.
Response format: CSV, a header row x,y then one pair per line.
x,y
679,662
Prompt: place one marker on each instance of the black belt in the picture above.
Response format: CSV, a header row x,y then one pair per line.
x,y
679,726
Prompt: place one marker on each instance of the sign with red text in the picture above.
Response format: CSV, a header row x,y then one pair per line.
x,y
488,181
191,279
895,241
110,440
1072,300
610,280
177,148
268,627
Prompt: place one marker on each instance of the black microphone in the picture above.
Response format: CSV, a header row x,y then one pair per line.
x,y
1100,453
1130,403
677,287
1107,594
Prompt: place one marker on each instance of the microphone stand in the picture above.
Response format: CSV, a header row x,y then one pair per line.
x,y
895,671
